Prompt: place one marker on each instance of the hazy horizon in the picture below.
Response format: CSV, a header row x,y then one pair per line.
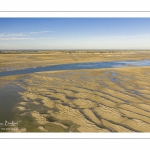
x,y
73,49
74,33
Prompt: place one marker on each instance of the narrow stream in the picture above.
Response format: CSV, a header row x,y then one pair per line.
x,y
78,66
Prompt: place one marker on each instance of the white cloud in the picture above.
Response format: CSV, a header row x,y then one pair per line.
x,y
119,38
5,35
1,35
16,39
13,35
40,32
45,38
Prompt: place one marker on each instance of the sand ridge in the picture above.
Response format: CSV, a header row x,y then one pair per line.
x,y
97,108
98,100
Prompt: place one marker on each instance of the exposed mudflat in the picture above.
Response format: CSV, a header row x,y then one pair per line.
x,y
9,62
97,100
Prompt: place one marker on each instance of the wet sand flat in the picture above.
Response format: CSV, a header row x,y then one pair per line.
x,y
90,100
11,61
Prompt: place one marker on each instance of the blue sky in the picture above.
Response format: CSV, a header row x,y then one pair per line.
x,y
74,33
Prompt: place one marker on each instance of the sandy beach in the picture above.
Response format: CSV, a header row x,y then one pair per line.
x,y
90,100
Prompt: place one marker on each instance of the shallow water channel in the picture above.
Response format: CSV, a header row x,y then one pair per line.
x,y
9,95
78,66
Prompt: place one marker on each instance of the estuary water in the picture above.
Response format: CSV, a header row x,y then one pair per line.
x,y
10,98
78,66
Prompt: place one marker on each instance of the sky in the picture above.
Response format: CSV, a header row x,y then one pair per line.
x,y
74,33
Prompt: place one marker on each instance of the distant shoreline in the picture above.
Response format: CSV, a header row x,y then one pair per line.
x,y
67,51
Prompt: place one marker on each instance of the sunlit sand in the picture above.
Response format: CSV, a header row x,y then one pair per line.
x,y
90,100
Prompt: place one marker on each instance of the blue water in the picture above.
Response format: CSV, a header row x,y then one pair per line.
x,y
78,66
135,63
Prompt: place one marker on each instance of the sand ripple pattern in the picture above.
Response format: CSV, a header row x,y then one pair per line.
x,y
106,100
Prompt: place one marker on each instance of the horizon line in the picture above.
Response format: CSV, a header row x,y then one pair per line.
x,y
65,49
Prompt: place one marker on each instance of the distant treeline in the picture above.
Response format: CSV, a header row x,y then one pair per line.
x,y
62,51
